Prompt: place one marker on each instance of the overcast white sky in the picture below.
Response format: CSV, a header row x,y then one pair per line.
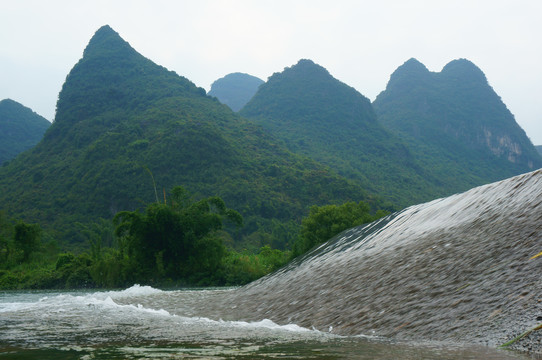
x,y
360,42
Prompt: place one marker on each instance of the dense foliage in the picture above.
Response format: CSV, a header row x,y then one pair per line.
x,y
26,238
318,116
123,122
235,89
455,124
20,129
324,222
178,240
26,254
175,243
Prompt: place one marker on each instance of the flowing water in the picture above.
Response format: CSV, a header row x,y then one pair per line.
x,y
449,279
147,323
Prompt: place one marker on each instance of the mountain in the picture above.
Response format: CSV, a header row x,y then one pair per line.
x,y
127,131
235,89
20,129
456,124
318,116
539,149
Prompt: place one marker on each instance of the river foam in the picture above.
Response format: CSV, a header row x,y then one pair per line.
x,y
110,312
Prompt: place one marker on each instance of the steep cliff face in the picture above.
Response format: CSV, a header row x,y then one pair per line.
x,y
455,118
503,145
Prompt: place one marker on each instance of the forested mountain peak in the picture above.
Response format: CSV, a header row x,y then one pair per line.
x,y
306,67
456,118
307,93
105,38
235,89
412,65
8,103
463,70
11,106
409,75
10,109
306,75
113,73
118,80
20,129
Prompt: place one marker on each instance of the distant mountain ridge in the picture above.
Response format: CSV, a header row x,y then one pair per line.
x,y
235,89
126,131
20,129
456,124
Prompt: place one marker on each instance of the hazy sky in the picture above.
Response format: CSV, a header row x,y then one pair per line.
x,y
360,42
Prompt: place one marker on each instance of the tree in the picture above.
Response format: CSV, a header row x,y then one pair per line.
x,y
6,231
324,222
27,238
179,239
99,234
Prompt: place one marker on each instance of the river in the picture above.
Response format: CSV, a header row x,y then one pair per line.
x,y
146,323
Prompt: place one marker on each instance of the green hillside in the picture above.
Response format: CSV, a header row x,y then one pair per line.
x,y
455,124
20,129
235,89
124,124
318,116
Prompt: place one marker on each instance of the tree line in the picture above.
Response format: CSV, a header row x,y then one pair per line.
x,y
177,242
